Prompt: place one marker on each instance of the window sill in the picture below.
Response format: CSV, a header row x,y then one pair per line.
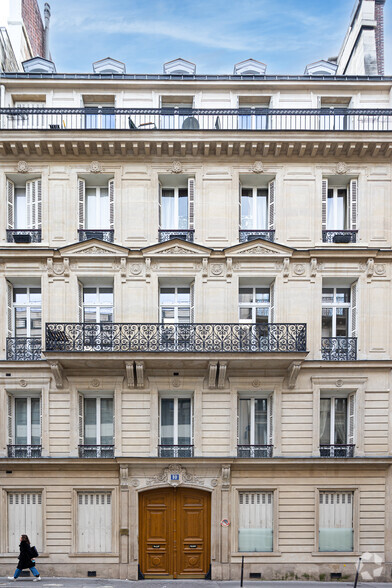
x,y
255,554
355,554
15,555
87,554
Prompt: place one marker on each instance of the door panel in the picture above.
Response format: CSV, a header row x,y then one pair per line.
x,y
155,516
193,532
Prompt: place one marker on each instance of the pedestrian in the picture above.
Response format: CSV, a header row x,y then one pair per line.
x,y
25,560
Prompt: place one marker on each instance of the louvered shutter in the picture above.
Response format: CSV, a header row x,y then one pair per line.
x,y
191,201
324,197
34,203
160,205
272,303
10,321
10,419
39,203
238,421
29,204
81,419
82,202
10,204
240,207
271,205
114,422
192,298
354,310
270,415
80,302
351,419
111,204
353,205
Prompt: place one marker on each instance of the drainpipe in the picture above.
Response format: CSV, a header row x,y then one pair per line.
x,y
46,33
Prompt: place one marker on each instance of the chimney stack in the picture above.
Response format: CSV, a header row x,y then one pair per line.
x,y
379,16
47,21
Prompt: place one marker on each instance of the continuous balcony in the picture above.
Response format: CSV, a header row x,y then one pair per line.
x,y
23,348
339,348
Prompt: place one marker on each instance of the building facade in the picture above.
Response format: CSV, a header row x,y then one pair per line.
x,y
195,284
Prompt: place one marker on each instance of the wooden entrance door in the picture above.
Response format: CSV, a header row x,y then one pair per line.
x,y
174,533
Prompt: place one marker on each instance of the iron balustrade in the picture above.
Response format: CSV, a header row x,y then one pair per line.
x,y
191,119
254,450
246,235
180,337
175,450
339,348
101,234
184,234
23,235
340,236
105,451
23,348
24,451
337,450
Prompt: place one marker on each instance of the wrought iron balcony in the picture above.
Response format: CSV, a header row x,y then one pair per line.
x,y
23,235
254,450
339,348
340,236
246,235
193,120
24,451
181,337
23,348
102,234
184,234
175,450
96,451
337,450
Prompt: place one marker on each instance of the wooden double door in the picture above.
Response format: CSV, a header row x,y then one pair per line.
x,y
174,533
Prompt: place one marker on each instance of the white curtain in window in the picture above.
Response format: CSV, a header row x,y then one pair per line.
x,y
167,212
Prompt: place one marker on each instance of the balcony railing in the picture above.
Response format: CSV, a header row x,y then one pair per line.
x,y
23,235
24,451
181,337
184,234
175,450
339,348
102,234
340,236
246,235
96,451
254,450
337,450
23,348
193,120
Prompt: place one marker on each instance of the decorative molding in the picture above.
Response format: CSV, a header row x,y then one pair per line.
x,y
380,269
214,482
313,267
217,269
148,268
135,482
222,374
58,268
123,477
139,368
174,475
95,167
229,267
95,383
339,383
257,167
23,383
95,250
130,374
293,373
176,382
135,269
22,167
256,383
123,269
257,250
58,373
176,250
225,477
212,372
299,269
176,167
204,271
286,267
370,268
341,168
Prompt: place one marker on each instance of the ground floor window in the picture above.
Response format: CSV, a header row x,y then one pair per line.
x,y
255,529
94,522
336,531
24,517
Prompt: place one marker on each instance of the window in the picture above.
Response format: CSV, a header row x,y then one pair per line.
x,y
176,210
175,304
253,112
256,304
96,426
24,516
175,427
255,426
257,207
94,522
96,210
336,531
97,304
100,115
337,420
24,426
339,211
339,323
24,210
176,112
255,527
26,311
334,114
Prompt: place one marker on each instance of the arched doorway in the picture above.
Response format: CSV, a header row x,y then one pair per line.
x,y
174,533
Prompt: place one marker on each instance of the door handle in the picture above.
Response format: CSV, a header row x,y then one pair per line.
x,y
156,546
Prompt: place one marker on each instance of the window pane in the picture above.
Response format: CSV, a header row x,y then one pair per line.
x,y
341,209
20,208
103,220
244,424
35,421
21,421
328,296
167,209
245,314
35,295
247,208
20,321
261,421
330,211
106,296
246,295
184,314
326,323
262,315
167,295
90,296
342,322
325,421
90,314
167,315
106,315
106,421
182,208
262,295
91,209
184,421
342,295
255,525
183,295
20,295
261,210
35,322
90,421
340,421
167,421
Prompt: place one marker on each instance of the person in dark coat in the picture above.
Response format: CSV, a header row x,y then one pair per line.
x,y
25,560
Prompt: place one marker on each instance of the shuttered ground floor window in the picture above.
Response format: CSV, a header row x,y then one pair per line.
x,y
24,518
94,522
336,531
255,529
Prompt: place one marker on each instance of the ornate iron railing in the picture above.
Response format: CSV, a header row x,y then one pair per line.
x,y
254,450
96,451
181,337
339,348
23,451
340,236
23,235
337,450
175,450
102,234
246,235
191,119
184,234
23,348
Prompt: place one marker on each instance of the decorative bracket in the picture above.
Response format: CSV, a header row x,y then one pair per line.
x,y
293,372
370,269
212,373
130,373
222,374
286,267
225,477
139,374
134,374
58,373
124,477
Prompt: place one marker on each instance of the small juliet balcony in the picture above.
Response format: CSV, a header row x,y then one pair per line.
x,y
101,234
23,348
254,451
340,237
337,450
24,451
339,348
96,451
175,450
246,235
22,236
168,234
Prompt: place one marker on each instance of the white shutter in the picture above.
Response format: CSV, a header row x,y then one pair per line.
x,y
353,205
34,203
354,310
160,205
272,303
191,203
82,203
80,302
10,325
271,205
10,419
111,204
81,419
10,204
29,204
255,532
238,421
240,207
192,299
324,198
270,419
351,419
94,522
24,516
39,203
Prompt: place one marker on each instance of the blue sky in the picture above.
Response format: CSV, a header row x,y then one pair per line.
x,y
214,34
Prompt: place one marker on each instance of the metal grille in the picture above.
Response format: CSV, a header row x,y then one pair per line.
x,y
24,451
254,450
252,235
184,234
175,450
339,348
340,237
103,235
337,450
23,235
96,451
23,348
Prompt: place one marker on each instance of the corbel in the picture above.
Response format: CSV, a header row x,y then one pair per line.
x,y
204,269
222,374
148,268
123,269
286,268
58,373
229,267
130,374
370,269
313,268
293,373
212,372
225,476
139,374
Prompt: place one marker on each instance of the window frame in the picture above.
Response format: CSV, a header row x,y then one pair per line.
x,y
75,553
176,305
356,530
254,305
176,200
98,208
29,306
254,207
334,306
4,529
97,305
176,397
98,398
346,216
268,396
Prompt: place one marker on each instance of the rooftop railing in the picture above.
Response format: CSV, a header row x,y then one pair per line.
x,y
193,120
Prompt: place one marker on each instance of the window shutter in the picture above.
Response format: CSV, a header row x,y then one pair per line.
x,y
34,203
238,421
10,411
160,205
351,420
270,413
271,205
29,204
191,201
80,302
239,206
272,303
324,196
192,297
10,321
353,205
354,310
82,202
114,420
39,203
10,204
111,204
81,418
